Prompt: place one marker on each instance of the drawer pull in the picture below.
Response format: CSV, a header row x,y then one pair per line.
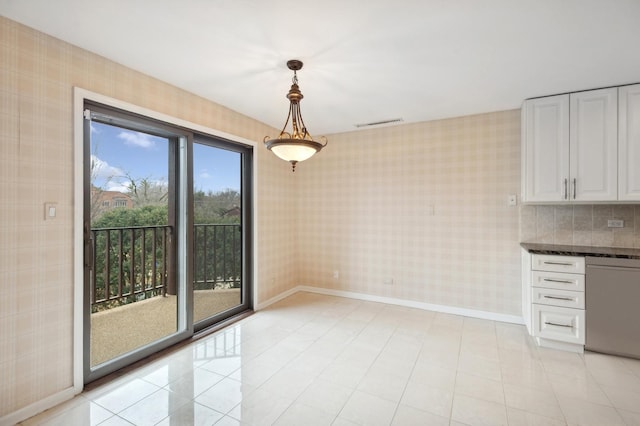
x,y
570,299
558,325
551,280
558,263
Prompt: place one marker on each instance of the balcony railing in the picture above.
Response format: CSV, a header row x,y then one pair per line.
x,y
136,263
217,256
130,264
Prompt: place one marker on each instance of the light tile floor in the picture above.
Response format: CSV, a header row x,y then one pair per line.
x,y
320,360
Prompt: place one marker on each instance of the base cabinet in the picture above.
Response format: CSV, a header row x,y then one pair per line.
x,y
557,301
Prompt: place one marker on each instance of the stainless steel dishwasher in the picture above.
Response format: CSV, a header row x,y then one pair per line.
x,y
612,297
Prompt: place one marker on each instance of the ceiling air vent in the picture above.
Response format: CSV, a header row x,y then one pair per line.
x,y
378,123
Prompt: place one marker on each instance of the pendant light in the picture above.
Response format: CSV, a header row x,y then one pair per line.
x,y
297,145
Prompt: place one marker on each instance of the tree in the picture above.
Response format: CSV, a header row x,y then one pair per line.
x,y
145,191
215,207
148,215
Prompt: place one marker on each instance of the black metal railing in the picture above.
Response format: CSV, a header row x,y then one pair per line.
x,y
130,264
217,256
136,263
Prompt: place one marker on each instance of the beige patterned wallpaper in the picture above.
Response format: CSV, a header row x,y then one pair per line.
x,y
37,76
584,225
424,205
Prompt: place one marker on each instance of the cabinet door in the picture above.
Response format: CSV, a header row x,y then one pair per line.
x,y
545,149
594,145
629,143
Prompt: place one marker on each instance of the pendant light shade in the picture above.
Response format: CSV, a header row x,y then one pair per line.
x,y
296,145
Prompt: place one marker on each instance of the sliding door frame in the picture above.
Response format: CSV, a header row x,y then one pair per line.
x,y
246,224
249,187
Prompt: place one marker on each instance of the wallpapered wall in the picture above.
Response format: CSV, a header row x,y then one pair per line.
x,y
424,205
37,76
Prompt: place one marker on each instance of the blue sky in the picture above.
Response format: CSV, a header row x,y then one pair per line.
x,y
118,153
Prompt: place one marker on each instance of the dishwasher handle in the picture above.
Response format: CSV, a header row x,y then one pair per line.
x,y
612,262
611,268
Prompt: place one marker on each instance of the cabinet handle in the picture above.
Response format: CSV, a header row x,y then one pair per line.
x,y
574,188
557,263
551,280
566,195
570,299
558,325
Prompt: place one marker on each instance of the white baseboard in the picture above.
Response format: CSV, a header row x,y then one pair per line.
x,y
38,407
473,313
261,305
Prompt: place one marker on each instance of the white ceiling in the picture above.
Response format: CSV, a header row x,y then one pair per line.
x,y
365,61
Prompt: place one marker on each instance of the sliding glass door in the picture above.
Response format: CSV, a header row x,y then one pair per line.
x,y
220,229
166,235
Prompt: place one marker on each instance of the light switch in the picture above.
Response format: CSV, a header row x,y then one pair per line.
x,y
49,211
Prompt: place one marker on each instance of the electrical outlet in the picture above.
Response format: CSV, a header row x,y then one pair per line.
x,y
336,275
615,223
512,200
388,281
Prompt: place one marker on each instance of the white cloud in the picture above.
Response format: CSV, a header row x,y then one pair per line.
x,y
141,140
116,186
102,170
204,174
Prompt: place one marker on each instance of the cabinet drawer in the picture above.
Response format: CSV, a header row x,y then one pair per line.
x,y
553,297
556,323
558,280
553,263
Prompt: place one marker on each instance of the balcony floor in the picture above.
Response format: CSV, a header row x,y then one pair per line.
x,y
120,330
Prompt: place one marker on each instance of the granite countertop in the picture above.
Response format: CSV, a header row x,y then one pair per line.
x,y
569,250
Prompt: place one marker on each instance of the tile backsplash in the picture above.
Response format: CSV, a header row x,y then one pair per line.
x,y
585,225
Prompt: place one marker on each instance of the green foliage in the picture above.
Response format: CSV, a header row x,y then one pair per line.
x,y
149,215
216,207
217,257
124,259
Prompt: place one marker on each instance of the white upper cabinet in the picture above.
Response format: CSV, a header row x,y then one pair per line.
x,y
629,143
570,148
546,149
593,145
